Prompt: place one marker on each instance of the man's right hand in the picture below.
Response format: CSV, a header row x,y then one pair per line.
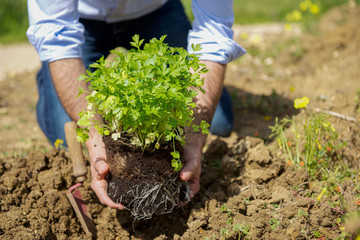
x,y
99,170
65,74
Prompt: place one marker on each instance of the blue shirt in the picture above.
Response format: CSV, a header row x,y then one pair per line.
x,y
56,33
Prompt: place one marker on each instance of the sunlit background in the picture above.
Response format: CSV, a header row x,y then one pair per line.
x,y
14,22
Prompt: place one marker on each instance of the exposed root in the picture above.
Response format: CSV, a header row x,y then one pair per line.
x,y
150,199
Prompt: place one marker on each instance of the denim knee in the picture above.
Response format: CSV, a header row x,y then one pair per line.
x,y
50,113
223,120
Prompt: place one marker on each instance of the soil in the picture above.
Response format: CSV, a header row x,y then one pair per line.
x,y
244,172
144,181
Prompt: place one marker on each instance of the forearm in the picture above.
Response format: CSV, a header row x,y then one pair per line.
x,y
208,101
206,106
65,74
213,84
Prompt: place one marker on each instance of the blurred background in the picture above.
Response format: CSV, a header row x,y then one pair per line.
x,y
14,21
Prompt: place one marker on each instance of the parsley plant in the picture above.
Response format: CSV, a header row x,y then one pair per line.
x,y
147,93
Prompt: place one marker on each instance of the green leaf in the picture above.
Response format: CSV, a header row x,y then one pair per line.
x,y
176,164
175,154
204,127
192,105
196,47
136,42
81,91
168,138
82,77
82,134
195,128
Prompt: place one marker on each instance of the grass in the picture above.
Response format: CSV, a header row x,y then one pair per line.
x,y
14,21
13,14
261,11
313,144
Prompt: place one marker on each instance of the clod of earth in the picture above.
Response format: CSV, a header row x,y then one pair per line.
x,y
144,182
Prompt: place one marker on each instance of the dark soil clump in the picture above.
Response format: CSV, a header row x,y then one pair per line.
x,y
144,182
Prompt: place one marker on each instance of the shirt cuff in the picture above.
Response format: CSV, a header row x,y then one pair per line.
x,y
54,42
222,50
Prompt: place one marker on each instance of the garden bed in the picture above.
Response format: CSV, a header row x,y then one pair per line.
x,y
247,187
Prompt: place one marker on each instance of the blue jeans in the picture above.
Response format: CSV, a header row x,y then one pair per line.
x,y
100,38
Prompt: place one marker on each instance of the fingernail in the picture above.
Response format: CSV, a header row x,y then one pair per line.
x,y
185,176
102,169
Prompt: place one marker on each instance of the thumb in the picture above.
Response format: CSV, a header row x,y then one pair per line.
x,y
190,168
101,167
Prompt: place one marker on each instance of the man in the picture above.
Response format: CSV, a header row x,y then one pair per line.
x,y
71,34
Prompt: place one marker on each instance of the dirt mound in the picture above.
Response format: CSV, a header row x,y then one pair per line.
x,y
255,188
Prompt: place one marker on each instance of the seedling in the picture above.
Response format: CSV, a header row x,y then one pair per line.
x,y
224,232
317,234
241,230
226,210
274,223
302,213
146,94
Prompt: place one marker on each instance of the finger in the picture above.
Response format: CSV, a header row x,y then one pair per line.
x,y
194,188
101,167
195,183
99,187
190,169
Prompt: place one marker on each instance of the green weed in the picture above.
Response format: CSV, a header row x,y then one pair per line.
x,y
314,141
302,213
242,231
313,144
274,223
261,11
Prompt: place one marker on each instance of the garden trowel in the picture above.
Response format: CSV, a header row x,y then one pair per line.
x,y
79,171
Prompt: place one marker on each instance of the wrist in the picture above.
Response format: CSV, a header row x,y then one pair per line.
x,y
94,141
195,139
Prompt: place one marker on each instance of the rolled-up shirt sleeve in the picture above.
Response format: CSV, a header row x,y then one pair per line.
x,y
55,30
212,29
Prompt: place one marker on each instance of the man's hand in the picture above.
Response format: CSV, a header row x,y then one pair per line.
x,y
206,105
65,74
192,169
99,170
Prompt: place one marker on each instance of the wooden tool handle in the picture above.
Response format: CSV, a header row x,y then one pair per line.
x,y
76,155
